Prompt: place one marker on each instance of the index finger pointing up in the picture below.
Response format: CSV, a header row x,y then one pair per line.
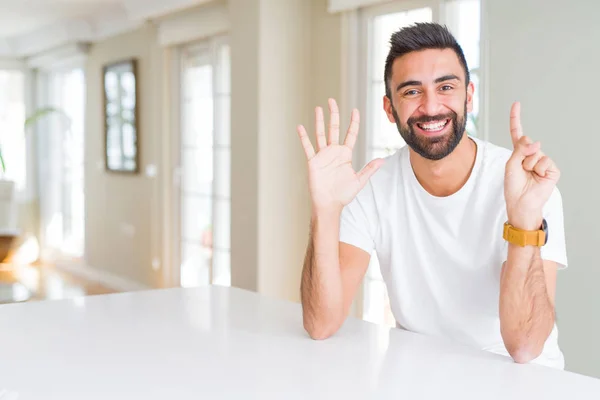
x,y
516,131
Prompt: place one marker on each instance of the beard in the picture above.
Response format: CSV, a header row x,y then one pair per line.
x,y
437,147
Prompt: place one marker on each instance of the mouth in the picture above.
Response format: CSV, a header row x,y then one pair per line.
x,y
433,128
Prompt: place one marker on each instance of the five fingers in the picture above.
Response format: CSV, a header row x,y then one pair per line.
x,y
334,130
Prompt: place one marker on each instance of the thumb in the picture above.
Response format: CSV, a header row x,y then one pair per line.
x,y
523,149
368,170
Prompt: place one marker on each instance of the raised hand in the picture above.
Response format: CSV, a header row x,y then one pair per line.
x,y
530,177
333,183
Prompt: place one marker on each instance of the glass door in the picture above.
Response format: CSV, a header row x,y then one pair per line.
x,y
204,165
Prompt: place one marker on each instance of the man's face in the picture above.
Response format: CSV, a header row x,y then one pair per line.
x,y
430,101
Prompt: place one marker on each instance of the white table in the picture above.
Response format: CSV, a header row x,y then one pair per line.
x,y
219,343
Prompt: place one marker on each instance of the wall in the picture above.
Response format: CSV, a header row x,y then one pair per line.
x,y
286,60
547,57
270,69
123,211
325,63
284,57
245,103
275,87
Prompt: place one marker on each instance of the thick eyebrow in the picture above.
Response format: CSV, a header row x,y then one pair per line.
x,y
408,83
418,83
447,78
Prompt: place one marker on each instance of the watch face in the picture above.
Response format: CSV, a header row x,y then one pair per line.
x,y
545,229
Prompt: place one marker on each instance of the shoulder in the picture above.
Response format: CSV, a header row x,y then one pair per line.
x,y
390,170
492,154
554,202
493,161
384,182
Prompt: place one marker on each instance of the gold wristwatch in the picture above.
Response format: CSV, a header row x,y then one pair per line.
x,y
524,238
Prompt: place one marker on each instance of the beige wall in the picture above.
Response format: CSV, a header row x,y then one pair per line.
x,y
275,87
282,212
547,57
286,60
122,211
244,40
325,61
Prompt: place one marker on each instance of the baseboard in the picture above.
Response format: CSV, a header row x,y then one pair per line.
x,y
106,278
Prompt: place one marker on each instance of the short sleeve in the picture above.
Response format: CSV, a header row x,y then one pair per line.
x,y
555,249
359,221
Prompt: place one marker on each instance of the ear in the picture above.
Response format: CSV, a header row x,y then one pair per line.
x,y
387,106
470,91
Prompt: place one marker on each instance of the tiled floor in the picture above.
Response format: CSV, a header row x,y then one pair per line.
x,y
43,282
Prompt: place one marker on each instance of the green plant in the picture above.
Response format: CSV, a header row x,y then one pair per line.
x,y
32,120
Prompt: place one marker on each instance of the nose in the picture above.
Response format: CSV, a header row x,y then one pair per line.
x,y
430,104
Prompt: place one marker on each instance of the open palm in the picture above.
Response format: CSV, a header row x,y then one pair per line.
x,y
333,183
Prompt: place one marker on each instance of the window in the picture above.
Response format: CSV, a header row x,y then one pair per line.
x,y
61,138
382,138
463,19
12,119
205,159
120,91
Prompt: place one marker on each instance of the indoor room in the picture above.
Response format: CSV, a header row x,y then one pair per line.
x,y
305,199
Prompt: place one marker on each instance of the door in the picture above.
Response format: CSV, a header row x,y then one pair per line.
x,y
203,166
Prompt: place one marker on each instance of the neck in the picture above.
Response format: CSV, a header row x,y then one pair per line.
x,y
445,177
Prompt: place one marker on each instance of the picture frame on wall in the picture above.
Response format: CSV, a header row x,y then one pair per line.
x,y
121,122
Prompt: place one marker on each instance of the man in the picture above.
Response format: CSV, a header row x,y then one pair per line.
x,y
460,225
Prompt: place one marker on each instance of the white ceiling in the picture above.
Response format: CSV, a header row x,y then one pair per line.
x,y
28,27
23,16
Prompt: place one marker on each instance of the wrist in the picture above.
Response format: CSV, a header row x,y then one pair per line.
x,y
530,221
326,213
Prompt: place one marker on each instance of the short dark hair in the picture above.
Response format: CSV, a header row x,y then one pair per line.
x,y
418,37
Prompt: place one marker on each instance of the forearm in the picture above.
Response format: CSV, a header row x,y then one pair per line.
x,y
321,286
526,313
526,306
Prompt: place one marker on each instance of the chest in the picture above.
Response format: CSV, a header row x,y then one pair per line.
x,y
462,241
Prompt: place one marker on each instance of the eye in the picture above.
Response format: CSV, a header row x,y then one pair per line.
x,y
445,88
411,92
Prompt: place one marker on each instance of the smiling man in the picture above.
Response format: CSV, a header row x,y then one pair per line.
x,y
469,235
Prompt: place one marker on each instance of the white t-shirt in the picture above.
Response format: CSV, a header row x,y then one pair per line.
x,y
441,257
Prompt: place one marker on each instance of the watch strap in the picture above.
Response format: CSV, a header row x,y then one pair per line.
x,y
522,237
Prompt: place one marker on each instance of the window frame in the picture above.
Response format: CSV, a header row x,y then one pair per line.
x,y
210,44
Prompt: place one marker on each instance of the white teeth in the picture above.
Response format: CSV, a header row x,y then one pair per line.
x,y
433,126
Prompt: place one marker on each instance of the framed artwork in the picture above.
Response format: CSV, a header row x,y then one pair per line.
x,y
121,133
